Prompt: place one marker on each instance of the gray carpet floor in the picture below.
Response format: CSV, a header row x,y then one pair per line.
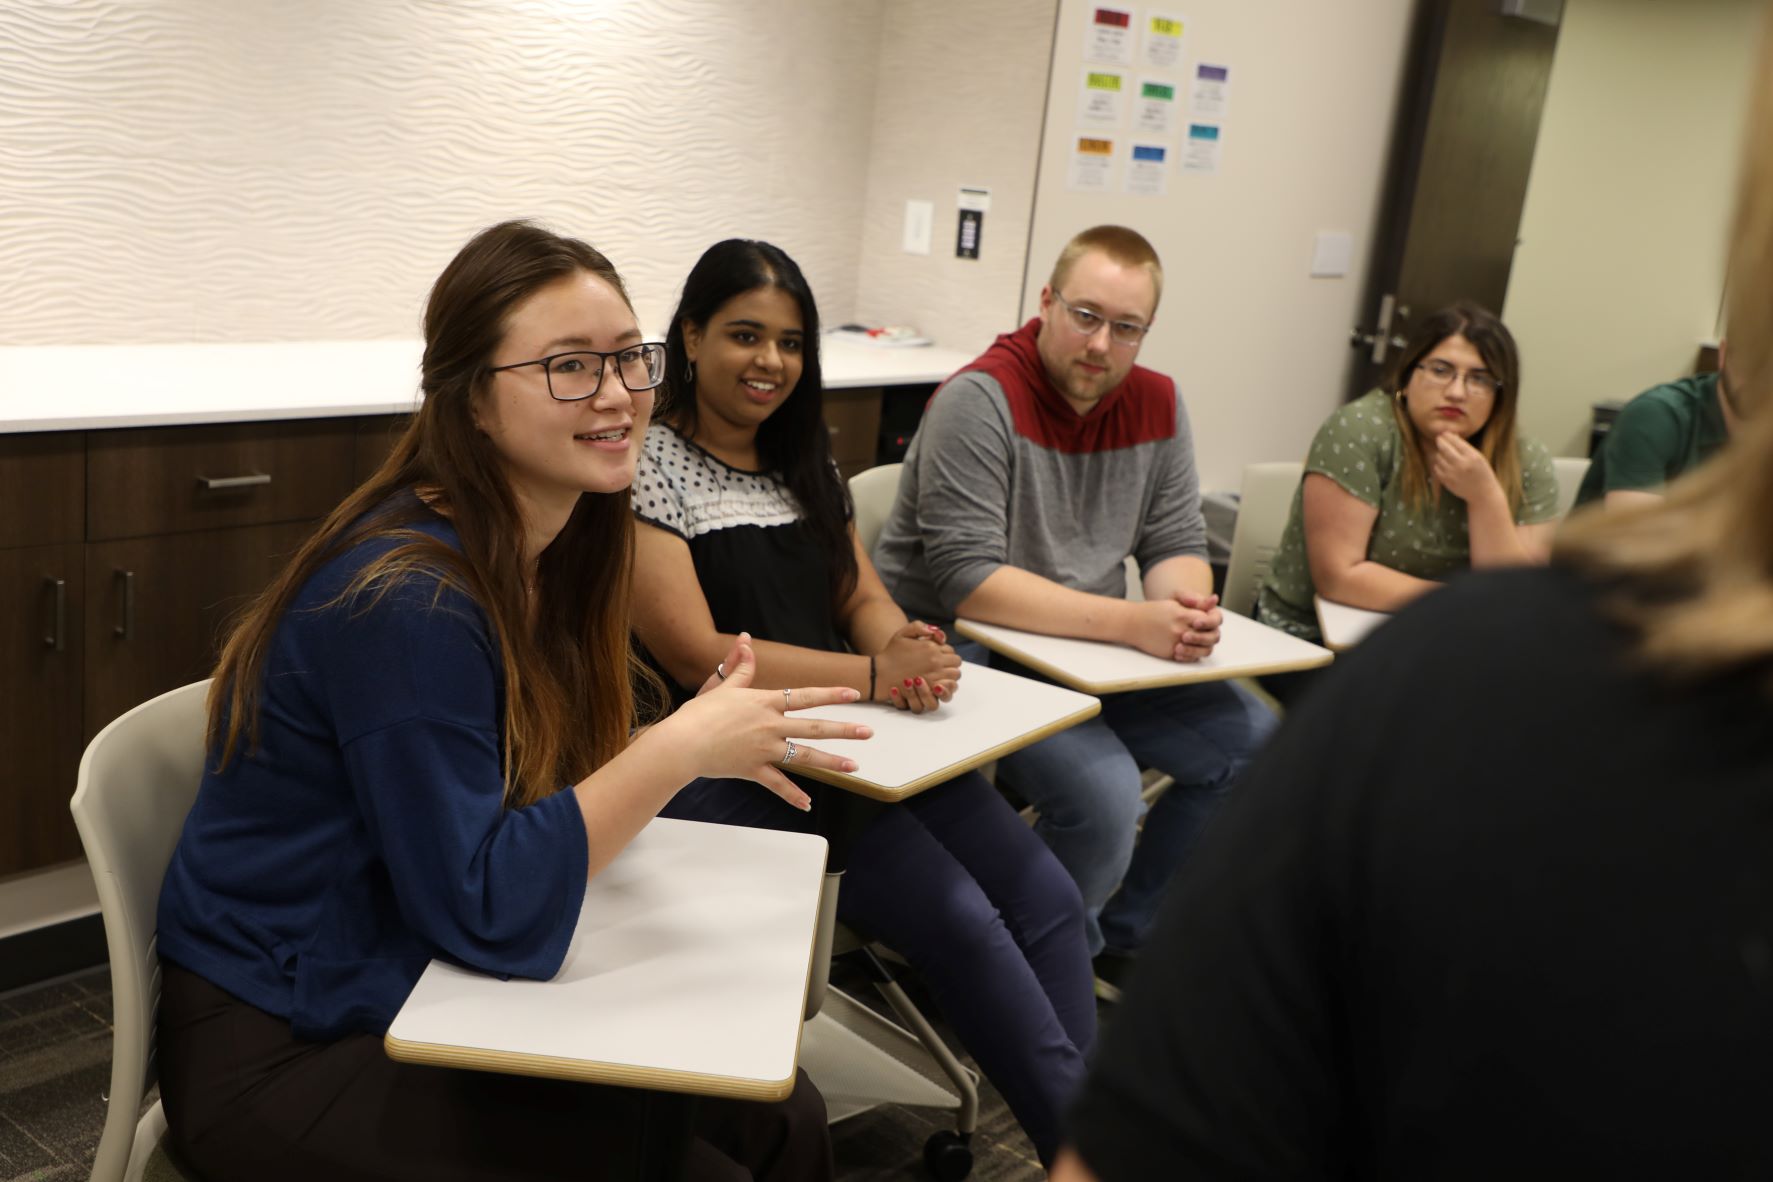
x,y
55,1063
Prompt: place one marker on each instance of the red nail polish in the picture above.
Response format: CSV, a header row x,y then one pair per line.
x,y
907,683
917,681
894,691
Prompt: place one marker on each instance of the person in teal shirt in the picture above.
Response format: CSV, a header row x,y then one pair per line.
x,y
1663,432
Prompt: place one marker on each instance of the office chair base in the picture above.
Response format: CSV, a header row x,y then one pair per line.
x,y
947,1156
860,1060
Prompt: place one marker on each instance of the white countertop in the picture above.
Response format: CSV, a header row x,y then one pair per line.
x,y
848,363
87,387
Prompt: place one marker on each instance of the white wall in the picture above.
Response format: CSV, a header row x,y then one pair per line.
x,y
953,110
1620,270
229,170
1258,347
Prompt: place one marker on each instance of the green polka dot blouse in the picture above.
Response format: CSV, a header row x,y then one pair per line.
x,y
1360,448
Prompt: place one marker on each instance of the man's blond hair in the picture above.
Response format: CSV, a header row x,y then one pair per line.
x,y
1125,246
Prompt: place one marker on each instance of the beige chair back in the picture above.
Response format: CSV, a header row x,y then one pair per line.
x,y
874,492
1570,470
137,781
1262,510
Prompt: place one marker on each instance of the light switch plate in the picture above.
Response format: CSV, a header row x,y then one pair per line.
x,y
919,216
1332,254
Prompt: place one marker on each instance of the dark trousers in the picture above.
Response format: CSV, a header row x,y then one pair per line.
x,y
953,881
1289,689
245,1099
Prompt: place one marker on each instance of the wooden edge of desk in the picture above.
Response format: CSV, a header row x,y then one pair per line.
x,y
874,791
1195,676
621,1075
1184,674
1317,610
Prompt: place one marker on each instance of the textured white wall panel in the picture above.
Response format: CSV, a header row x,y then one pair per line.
x,y
962,84
233,170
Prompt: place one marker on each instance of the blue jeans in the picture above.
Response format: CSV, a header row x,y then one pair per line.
x,y
953,881
1084,782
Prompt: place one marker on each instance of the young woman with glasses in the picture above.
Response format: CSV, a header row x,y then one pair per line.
x,y
423,744
745,524
1405,486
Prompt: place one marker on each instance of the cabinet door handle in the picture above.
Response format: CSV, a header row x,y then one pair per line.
x,y
219,483
126,609
57,636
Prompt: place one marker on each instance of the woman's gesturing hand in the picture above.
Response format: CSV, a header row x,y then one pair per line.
x,y
732,730
918,669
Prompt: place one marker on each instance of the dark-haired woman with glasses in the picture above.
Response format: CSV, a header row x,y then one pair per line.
x,y
423,744
745,524
1404,487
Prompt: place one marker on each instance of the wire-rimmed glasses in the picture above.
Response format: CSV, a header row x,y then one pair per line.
x,y
1086,323
575,376
1439,375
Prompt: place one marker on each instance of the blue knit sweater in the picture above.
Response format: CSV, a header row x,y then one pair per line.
x,y
366,834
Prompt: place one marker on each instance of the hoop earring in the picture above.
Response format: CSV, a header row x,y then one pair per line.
x,y
689,373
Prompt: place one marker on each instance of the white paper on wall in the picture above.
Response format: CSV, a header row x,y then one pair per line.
x,y
1108,36
1163,41
1101,98
1200,152
1211,94
1154,110
1092,160
1147,170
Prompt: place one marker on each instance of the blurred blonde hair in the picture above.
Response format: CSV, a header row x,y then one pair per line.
x,y
1694,574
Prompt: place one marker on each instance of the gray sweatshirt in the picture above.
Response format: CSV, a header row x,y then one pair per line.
x,y
977,493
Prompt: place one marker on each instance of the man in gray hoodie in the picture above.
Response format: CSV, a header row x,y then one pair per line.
x,y
1037,470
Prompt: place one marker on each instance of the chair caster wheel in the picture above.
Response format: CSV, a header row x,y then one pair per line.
x,y
947,1156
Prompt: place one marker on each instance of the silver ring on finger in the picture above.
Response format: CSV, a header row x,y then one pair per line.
x,y
785,706
792,751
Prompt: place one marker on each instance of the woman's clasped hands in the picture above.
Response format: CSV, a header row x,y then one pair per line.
x,y
917,669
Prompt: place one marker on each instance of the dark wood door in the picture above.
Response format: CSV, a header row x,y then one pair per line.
x,y
157,609
1468,121
40,732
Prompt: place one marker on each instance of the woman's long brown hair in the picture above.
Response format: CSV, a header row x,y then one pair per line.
x,y
569,698
1499,438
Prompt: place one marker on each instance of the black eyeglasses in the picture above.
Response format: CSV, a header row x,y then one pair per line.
x,y
1088,323
575,376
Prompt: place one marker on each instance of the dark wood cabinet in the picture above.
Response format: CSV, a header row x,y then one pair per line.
x,y
124,556
161,480
42,489
158,608
375,439
853,419
40,683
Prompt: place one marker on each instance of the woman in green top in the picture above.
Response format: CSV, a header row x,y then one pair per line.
x,y
1373,524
